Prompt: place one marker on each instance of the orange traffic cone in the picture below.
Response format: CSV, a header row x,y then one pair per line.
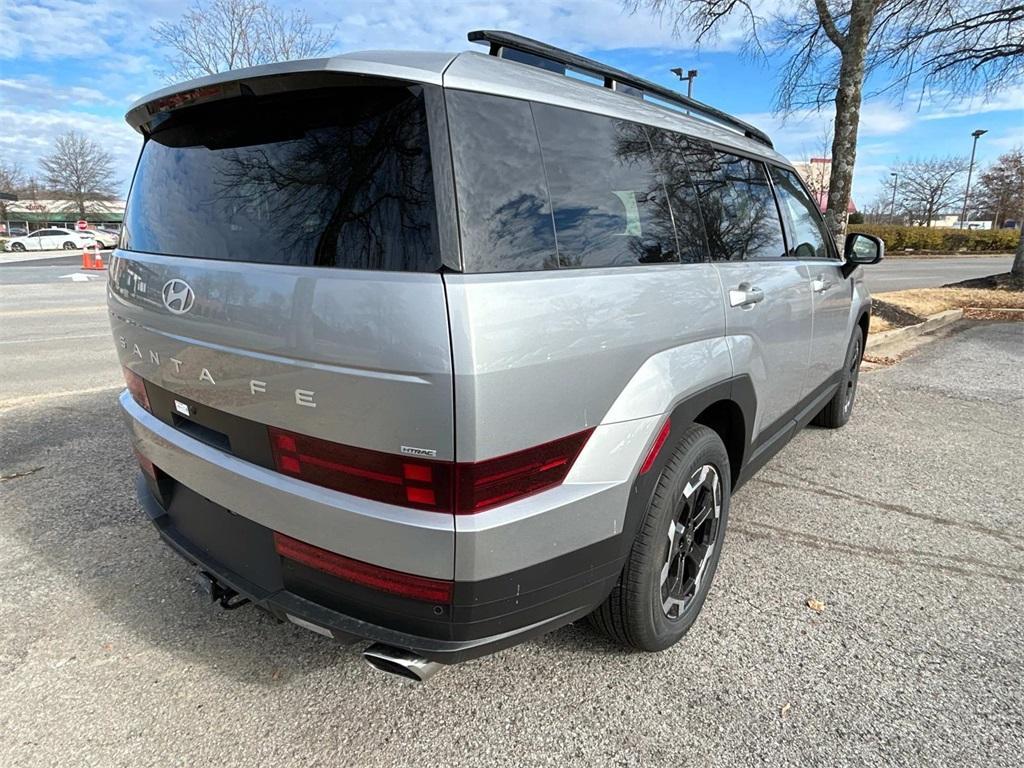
x,y
92,260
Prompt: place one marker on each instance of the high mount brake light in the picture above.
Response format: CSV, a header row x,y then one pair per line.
x,y
365,574
437,486
137,387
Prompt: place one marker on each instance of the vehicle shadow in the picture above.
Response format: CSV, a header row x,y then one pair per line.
x,y
69,501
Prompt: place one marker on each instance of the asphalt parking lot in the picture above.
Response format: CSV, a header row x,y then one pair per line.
x,y
906,524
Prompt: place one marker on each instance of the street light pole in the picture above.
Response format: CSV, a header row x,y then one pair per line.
x,y
691,75
970,169
892,205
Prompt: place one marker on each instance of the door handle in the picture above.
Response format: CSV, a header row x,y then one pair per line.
x,y
820,284
745,296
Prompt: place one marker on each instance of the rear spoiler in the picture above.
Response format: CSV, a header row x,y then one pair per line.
x,y
411,66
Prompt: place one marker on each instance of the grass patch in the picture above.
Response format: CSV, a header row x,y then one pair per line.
x,y
896,309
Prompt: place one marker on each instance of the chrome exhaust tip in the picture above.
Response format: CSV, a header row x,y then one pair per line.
x,y
398,661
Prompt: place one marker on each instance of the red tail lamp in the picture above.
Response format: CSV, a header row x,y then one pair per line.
x,y
437,486
365,574
137,387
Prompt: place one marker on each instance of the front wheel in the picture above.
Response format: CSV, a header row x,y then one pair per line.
x,y
69,246
837,411
18,247
673,560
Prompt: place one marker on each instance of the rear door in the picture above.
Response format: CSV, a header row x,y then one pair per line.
x,y
768,296
811,243
280,267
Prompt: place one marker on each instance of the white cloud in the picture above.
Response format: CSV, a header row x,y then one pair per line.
x,y
28,135
942,105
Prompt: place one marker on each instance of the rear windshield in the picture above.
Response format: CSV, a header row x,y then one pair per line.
x,y
333,177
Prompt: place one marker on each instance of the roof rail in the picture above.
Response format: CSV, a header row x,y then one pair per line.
x,y
527,51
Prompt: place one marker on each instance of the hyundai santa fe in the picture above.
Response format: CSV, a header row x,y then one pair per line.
x,y
444,351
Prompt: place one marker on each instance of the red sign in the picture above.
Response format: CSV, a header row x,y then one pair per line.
x,y
81,224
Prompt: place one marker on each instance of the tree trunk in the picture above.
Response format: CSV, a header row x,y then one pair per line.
x,y
1017,270
848,100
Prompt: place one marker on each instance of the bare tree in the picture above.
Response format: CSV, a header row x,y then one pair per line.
x,y
221,35
927,187
1000,189
80,170
12,180
831,46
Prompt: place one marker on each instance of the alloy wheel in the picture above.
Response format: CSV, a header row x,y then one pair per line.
x,y
853,372
691,540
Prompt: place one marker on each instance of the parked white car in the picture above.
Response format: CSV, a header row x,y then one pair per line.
x,y
51,239
104,237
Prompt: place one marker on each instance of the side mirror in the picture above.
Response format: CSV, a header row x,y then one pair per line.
x,y
861,249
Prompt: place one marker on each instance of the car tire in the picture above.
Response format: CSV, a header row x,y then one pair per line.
x,y
662,588
837,412
69,246
18,247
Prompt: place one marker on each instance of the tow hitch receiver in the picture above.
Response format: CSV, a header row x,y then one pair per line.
x,y
225,597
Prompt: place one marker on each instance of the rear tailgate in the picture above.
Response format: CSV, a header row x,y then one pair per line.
x,y
280,268
359,358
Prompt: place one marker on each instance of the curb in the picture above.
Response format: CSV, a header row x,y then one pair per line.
x,y
932,323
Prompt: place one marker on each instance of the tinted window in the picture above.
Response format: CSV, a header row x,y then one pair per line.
x,y
504,215
609,205
809,232
670,152
329,177
740,214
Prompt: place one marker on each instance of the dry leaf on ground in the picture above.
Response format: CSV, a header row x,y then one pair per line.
x,y
815,605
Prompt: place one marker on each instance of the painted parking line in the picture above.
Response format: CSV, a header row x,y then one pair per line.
x,y
54,310
18,402
56,338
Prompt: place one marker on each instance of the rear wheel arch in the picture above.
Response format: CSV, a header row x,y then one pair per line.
x,y
726,418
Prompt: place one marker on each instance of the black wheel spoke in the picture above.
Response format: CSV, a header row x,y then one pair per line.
x,y
691,538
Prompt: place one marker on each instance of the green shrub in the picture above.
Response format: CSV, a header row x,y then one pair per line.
x,y
856,218
942,240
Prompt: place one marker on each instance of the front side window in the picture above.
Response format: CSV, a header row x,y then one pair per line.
x,y
809,233
329,177
740,215
610,207
504,213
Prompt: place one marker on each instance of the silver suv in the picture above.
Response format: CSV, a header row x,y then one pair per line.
x,y
446,351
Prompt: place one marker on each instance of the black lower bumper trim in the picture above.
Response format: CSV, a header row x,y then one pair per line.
x,y
265,589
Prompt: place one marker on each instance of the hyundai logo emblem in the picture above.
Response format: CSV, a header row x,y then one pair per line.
x,y
178,296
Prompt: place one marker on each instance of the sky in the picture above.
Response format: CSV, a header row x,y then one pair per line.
x,y
70,64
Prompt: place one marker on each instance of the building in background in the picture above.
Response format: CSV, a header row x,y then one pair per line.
x,y
816,172
30,215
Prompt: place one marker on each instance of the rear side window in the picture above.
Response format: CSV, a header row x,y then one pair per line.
x,y
504,214
671,151
610,208
809,232
740,215
332,177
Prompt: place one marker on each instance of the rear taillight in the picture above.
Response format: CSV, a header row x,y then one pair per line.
x,y
365,574
486,484
437,486
137,387
145,464
370,474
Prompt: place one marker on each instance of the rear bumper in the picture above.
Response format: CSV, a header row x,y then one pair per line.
x,y
319,602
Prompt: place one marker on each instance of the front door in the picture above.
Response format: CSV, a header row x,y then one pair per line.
x,y
811,243
768,296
